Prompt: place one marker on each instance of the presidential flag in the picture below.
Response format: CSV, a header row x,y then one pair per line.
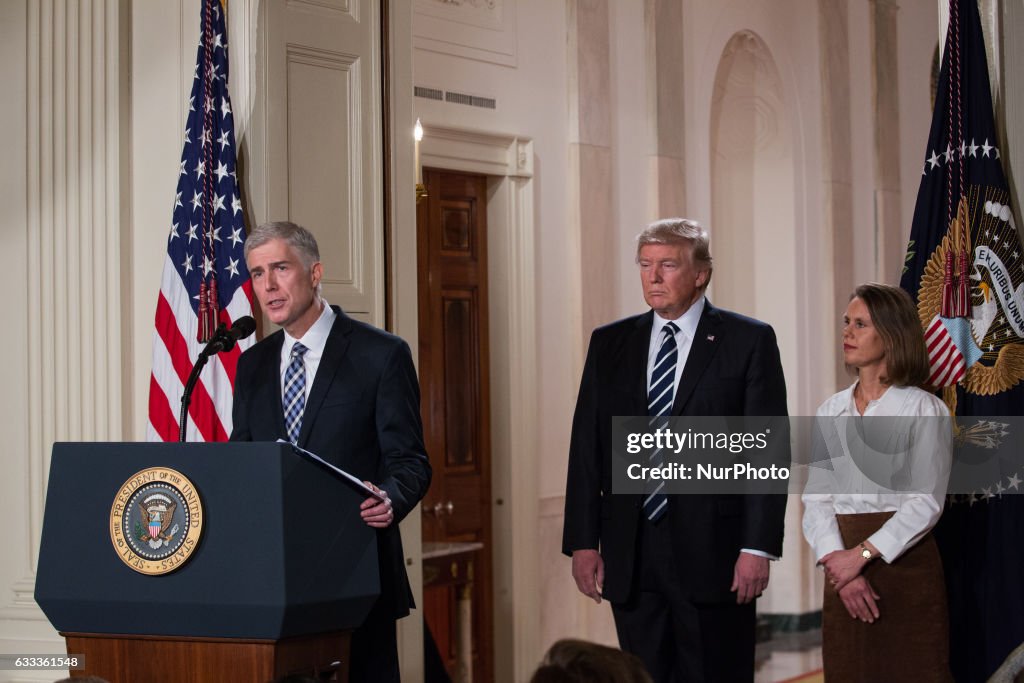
x,y
205,282
965,267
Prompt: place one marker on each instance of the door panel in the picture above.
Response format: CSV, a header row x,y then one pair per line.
x,y
452,271
324,141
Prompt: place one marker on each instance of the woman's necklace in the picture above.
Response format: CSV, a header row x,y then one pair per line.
x,y
861,398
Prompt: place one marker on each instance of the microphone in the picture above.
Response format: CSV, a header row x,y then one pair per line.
x,y
224,339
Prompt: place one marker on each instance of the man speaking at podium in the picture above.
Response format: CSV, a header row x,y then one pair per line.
x,y
346,391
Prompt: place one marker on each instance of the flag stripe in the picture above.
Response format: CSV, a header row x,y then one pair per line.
x,y
943,353
201,408
172,387
935,334
943,373
161,418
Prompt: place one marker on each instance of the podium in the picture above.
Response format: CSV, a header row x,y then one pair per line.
x,y
281,572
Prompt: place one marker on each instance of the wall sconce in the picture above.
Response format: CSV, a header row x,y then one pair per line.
x,y
421,191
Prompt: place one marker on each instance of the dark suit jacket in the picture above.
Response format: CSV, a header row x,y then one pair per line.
x,y
733,369
363,415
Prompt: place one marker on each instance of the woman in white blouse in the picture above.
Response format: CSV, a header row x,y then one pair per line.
x,y
875,491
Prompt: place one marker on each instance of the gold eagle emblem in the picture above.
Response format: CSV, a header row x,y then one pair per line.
x,y
1001,365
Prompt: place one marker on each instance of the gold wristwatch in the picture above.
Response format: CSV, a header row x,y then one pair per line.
x,y
866,553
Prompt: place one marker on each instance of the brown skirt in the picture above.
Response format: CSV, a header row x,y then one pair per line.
x,y
910,640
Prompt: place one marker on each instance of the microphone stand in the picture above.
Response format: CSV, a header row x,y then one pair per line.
x,y
216,343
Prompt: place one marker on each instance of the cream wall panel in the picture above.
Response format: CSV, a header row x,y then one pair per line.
x,y
591,194
864,224
837,173
327,8
598,247
483,30
324,159
666,107
890,241
637,149
322,133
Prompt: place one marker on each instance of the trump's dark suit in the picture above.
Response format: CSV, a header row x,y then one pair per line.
x,y
733,368
363,415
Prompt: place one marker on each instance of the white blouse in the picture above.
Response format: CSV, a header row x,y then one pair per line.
x,y
921,453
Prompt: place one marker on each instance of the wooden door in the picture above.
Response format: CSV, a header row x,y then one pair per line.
x,y
453,361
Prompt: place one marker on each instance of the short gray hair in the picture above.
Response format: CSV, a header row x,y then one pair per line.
x,y
294,235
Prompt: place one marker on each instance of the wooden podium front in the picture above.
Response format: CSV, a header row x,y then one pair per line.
x,y
154,659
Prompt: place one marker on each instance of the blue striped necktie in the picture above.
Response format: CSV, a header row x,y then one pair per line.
x,y
295,392
659,406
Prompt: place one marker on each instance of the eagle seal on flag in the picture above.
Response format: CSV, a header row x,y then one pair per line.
x,y
971,296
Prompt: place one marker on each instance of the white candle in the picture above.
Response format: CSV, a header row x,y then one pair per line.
x,y
417,135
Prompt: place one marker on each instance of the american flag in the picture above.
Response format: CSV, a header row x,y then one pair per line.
x,y
205,280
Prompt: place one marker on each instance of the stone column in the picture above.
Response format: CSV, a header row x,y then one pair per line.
x,y
837,173
665,106
595,247
890,233
591,216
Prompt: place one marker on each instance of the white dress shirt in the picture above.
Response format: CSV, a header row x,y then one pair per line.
x,y
924,451
687,324
315,340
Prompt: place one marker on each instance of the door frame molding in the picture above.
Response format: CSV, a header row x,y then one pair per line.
x,y
507,161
